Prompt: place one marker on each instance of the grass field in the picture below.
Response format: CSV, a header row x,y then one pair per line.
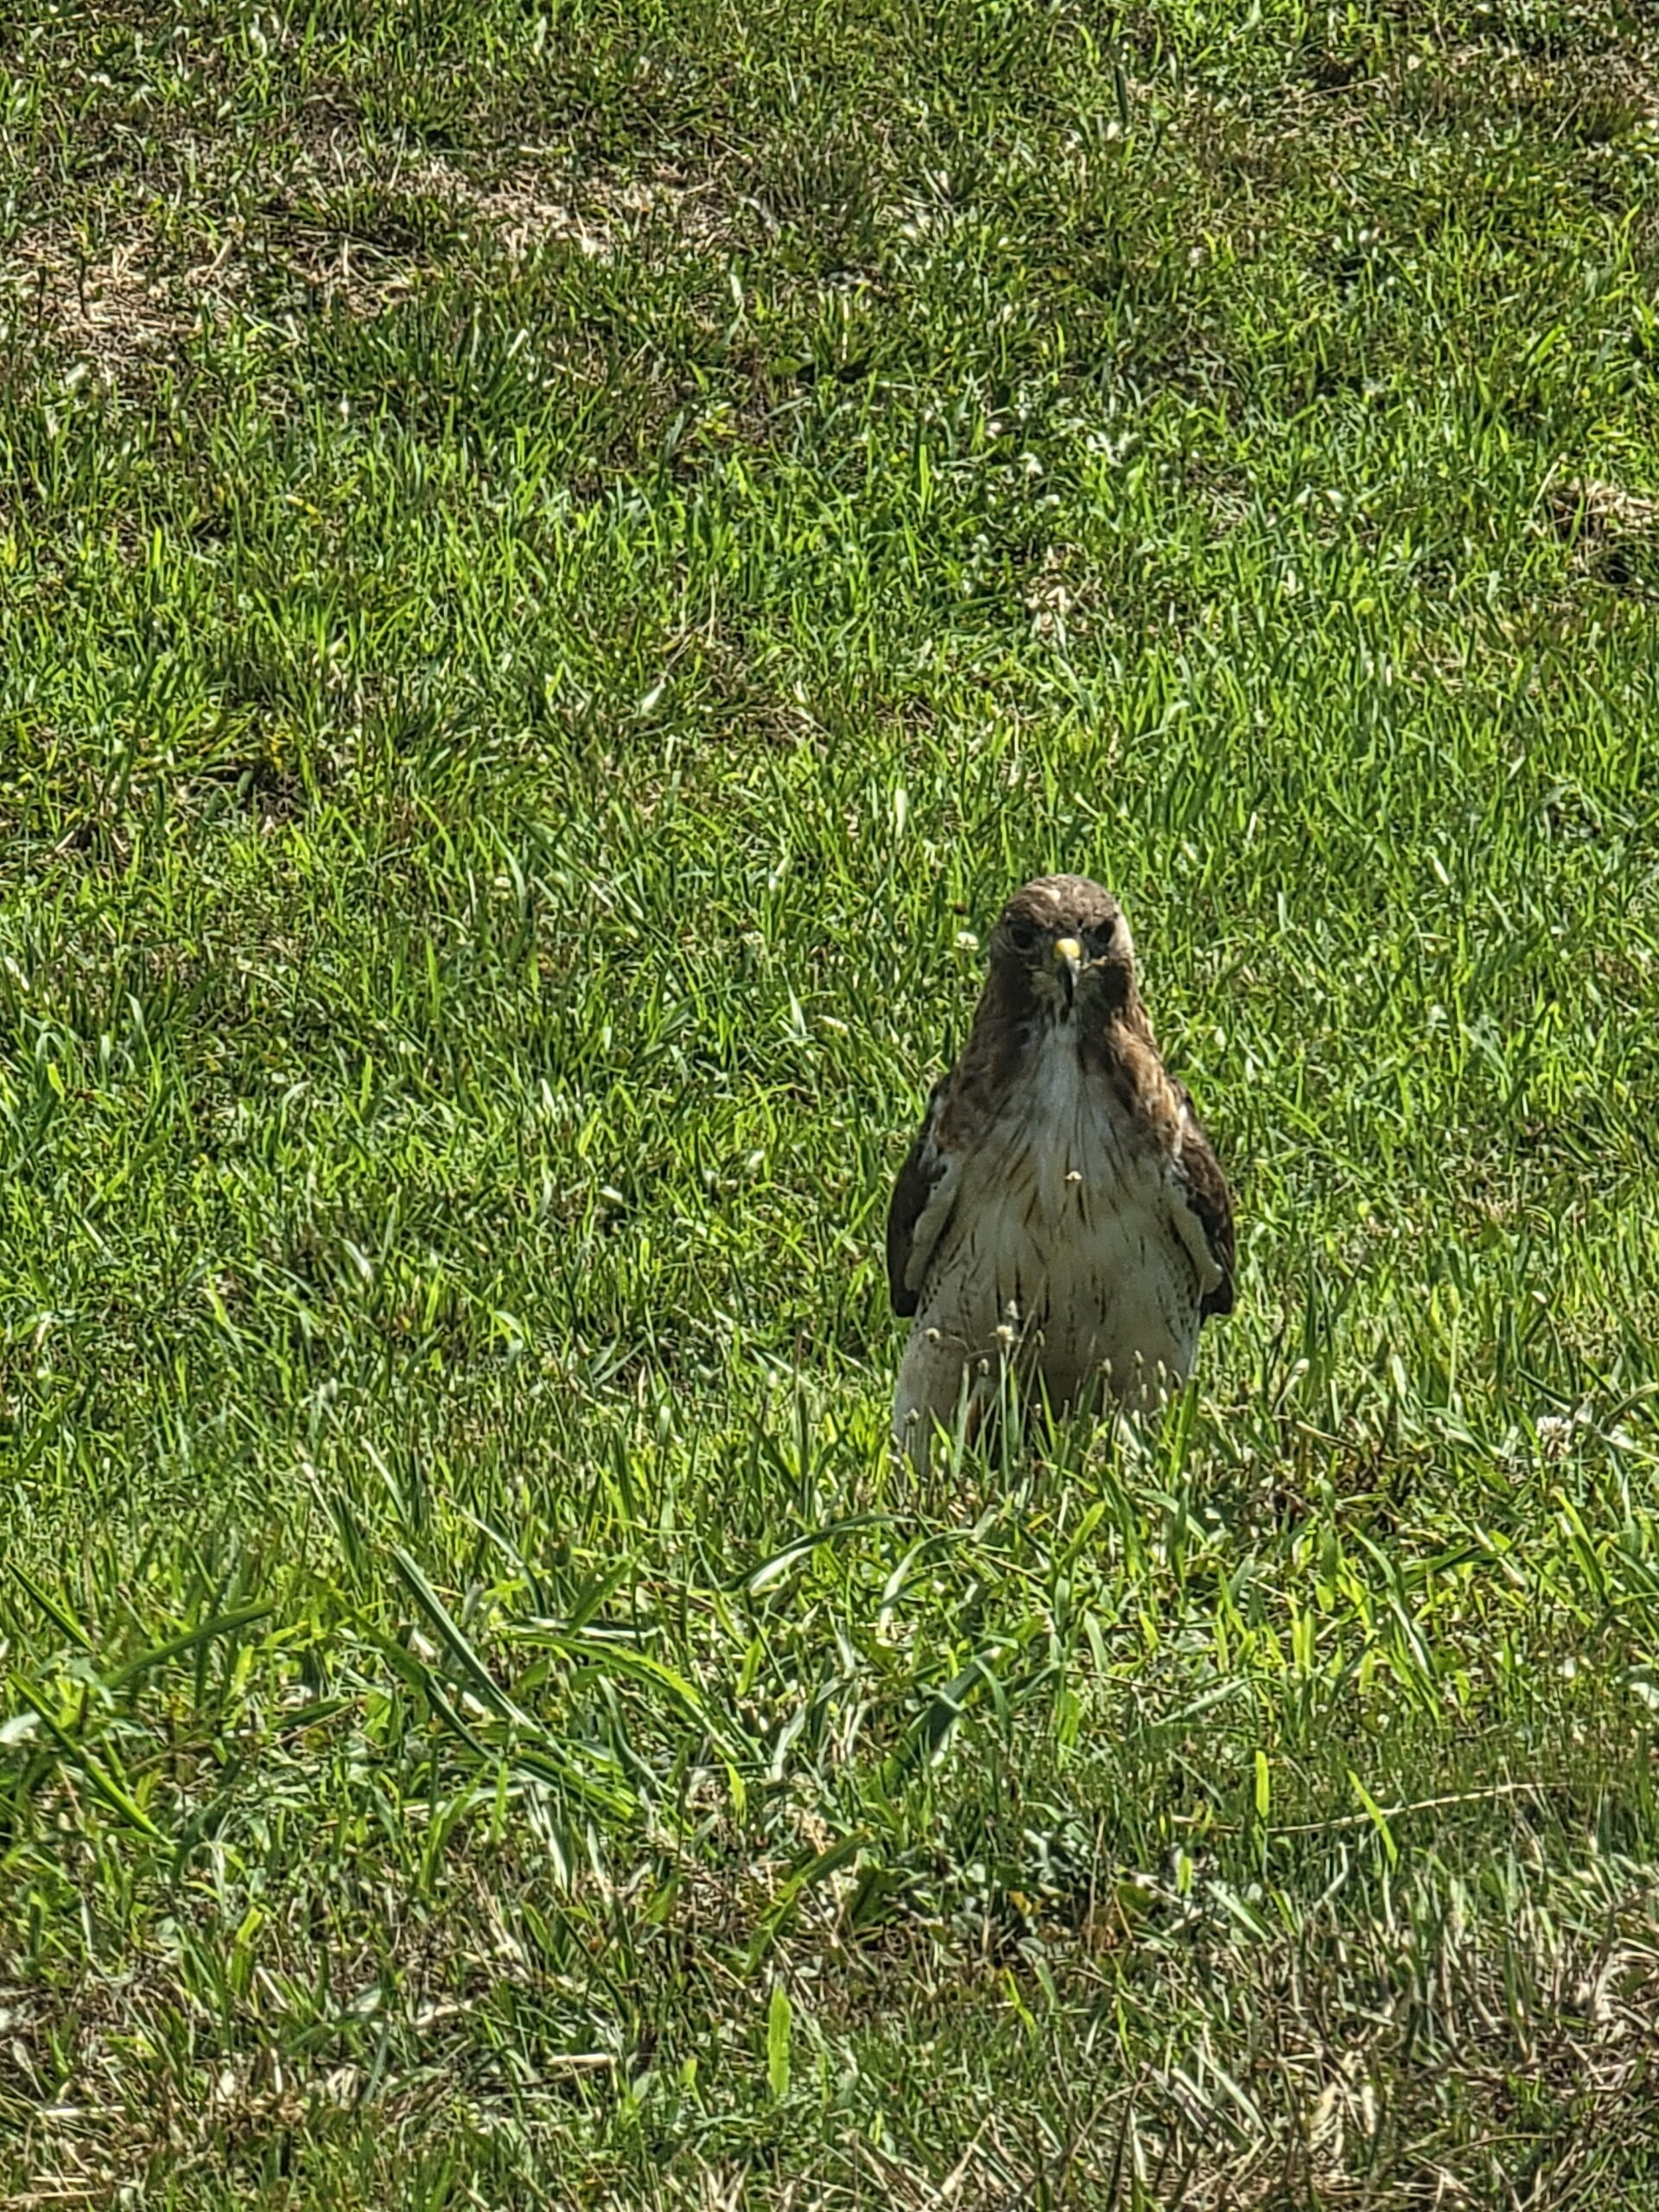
x,y
556,563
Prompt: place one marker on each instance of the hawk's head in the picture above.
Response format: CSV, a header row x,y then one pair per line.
x,y
1062,941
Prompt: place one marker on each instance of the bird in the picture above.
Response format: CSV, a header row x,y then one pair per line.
x,y
1060,1217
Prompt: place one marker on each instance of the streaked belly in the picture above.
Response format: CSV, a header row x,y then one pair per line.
x,y
1095,1289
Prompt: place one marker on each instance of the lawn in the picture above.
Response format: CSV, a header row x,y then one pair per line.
x,y
557,562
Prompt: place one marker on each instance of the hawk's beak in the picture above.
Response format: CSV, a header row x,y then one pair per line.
x,y
1069,953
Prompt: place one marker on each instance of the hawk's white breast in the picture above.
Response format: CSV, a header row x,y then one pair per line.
x,y
1056,1234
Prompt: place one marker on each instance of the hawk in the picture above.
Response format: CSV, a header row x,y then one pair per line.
x,y
1061,1213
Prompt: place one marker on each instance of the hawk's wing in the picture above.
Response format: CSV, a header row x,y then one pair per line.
x,y
923,1198
1203,1209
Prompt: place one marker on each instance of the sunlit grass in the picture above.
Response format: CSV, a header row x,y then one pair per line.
x,y
554,571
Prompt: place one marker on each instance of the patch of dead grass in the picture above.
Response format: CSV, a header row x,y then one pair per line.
x,y
112,309
132,303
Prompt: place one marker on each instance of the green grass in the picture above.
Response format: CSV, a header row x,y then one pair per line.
x,y
555,568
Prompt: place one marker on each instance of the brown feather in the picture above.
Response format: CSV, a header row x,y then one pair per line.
x,y
910,1193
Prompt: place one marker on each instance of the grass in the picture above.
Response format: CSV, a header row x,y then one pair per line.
x,y
555,568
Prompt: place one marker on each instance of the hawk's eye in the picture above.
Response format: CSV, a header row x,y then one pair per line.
x,y
1100,936
1024,938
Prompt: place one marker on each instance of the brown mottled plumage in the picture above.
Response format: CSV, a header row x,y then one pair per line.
x,y
1061,1211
